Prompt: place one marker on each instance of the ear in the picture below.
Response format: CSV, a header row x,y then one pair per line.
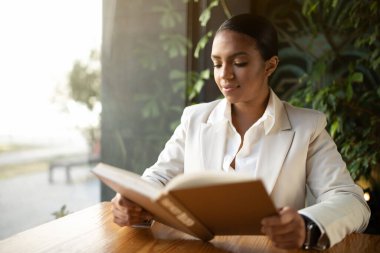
x,y
271,65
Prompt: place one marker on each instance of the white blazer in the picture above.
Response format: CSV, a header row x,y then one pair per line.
x,y
296,155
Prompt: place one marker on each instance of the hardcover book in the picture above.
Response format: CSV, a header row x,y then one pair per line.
x,y
202,204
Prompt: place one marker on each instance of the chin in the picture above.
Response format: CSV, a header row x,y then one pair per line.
x,y
231,100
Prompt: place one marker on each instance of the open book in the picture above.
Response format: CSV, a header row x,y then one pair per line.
x,y
202,204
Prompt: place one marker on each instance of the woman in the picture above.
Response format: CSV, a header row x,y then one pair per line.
x,y
252,130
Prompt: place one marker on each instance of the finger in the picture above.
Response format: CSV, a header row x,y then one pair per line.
x,y
124,213
128,203
270,221
123,219
146,215
125,204
292,236
120,222
279,230
293,240
115,200
285,216
127,212
288,227
119,212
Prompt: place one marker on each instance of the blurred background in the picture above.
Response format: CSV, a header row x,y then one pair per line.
x,y
46,47
89,80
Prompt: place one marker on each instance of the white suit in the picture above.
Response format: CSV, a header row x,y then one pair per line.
x,y
297,152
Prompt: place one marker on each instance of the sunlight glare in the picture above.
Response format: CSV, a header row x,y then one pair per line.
x,y
40,40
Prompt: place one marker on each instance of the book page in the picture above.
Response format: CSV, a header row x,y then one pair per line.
x,y
127,180
144,193
207,178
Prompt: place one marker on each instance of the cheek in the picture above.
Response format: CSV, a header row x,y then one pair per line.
x,y
250,75
216,76
244,74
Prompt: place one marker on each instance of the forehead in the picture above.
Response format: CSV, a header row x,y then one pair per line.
x,y
228,42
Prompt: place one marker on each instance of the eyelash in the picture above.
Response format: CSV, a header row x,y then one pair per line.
x,y
242,64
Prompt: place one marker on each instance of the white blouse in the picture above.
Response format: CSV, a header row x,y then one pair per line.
x,y
246,158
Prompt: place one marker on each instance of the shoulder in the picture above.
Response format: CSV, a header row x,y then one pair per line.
x,y
201,111
202,107
305,118
303,113
296,118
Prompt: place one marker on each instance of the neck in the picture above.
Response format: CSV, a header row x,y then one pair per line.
x,y
245,114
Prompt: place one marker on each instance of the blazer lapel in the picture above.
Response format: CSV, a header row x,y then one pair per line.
x,y
213,145
213,135
275,147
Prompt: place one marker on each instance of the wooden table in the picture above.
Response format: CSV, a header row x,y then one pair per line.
x,y
92,230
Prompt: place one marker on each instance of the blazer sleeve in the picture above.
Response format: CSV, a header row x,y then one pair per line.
x,y
340,208
170,162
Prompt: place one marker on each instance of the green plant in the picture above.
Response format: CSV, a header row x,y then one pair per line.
x,y
84,80
61,212
343,81
342,77
169,93
197,81
158,97
84,88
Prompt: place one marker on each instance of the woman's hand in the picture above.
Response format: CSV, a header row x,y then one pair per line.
x,y
128,213
287,230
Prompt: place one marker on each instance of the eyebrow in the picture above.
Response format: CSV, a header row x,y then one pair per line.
x,y
230,56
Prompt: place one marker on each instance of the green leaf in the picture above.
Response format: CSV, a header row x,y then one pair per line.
x,y
309,7
357,77
204,17
334,127
169,17
206,13
196,89
205,74
61,213
349,91
197,82
202,43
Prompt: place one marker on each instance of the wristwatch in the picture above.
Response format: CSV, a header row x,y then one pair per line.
x,y
313,233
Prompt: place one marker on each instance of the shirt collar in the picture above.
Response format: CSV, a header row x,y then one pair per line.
x,y
267,119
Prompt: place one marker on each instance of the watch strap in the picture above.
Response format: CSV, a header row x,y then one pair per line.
x,y
313,233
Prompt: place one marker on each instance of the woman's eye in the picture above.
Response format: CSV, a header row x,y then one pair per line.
x,y
216,65
240,64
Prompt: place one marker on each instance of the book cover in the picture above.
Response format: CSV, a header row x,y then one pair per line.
x,y
203,204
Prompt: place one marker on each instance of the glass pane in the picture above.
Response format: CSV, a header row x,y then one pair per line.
x,y
46,45
144,79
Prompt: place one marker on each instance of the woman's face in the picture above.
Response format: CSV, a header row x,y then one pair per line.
x,y
239,70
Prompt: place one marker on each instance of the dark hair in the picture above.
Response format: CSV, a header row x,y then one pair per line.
x,y
258,28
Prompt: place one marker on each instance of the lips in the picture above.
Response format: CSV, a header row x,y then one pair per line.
x,y
230,87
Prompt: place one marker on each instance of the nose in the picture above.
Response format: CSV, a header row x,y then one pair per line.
x,y
226,72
